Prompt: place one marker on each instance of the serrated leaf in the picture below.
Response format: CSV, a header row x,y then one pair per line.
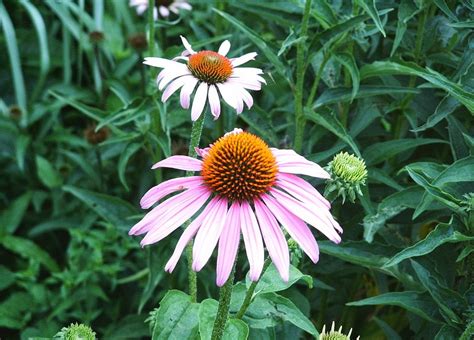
x,y
443,233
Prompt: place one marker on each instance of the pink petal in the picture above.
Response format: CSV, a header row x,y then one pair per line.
x,y
311,217
164,11
188,234
185,95
163,189
174,86
175,219
252,239
208,235
214,101
301,189
224,48
180,162
289,161
165,209
228,244
274,239
187,45
297,229
243,59
199,101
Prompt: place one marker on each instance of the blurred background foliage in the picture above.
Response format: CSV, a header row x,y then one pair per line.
x,y
81,123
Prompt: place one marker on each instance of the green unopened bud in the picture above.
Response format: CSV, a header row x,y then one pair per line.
x,y
295,252
335,335
348,174
76,331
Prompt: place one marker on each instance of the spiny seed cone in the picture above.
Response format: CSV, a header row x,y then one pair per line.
x,y
210,67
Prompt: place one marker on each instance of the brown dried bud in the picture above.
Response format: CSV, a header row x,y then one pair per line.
x,y
138,41
15,112
96,36
94,137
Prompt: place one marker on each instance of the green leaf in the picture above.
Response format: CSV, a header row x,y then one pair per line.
x,y
445,107
419,304
348,61
177,317
15,311
156,262
380,68
14,56
125,156
85,165
388,331
7,277
406,11
444,7
29,250
259,42
373,223
47,173
270,309
110,208
272,282
369,7
234,329
443,233
448,301
21,145
11,218
331,122
382,151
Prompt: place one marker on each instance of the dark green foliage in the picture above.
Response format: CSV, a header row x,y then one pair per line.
x,y
81,123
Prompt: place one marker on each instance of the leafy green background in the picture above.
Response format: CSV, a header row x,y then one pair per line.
x,y
391,81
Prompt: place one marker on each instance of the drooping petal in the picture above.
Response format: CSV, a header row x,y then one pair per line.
x,y
199,101
289,161
174,86
246,71
165,188
253,240
246,97
274,239
186,90
164,11
176,219
187,45
161,62
180,162
250,84
297,229
224,48
188,234
311,217
228,244
301,189
214,101
168,75
208,235
184,5
226,93
243,59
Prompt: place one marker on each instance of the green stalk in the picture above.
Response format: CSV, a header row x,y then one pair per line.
x,y
225,294
151,27
250,291
193,143
300,71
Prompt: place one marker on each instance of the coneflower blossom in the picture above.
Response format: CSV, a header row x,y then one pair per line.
x,y
244,187
164,7
215,76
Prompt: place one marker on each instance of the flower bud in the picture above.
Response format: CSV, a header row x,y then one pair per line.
x,y
76,331
95,137
138,41
335,335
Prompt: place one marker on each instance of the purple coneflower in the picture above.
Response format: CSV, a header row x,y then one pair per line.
x,y
244,187
215,76
164,7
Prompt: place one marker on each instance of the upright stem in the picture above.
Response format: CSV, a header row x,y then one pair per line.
x,y
300,71
250,291
225,294
151,27
193,143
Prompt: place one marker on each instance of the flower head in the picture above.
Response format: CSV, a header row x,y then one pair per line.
x,y
348,173
244,187
163,7
335,335
76,331
213,73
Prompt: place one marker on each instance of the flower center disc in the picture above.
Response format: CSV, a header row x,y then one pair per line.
x,y
210,67
239,166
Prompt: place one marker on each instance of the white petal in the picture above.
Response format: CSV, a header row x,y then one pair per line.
x,y
226,93
243,59
161,62
224,48
187,45
185,95
199,101
214,101
164,11
174,86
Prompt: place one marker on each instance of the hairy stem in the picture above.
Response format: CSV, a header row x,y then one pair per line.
x,y
300,71
250,291
225,294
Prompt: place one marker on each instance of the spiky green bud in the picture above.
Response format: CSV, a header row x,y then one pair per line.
x,y
76,331
348,174
335,335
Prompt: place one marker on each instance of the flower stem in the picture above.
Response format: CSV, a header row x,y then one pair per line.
x,y
250,291
300,71
225,294
193,143
151,27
